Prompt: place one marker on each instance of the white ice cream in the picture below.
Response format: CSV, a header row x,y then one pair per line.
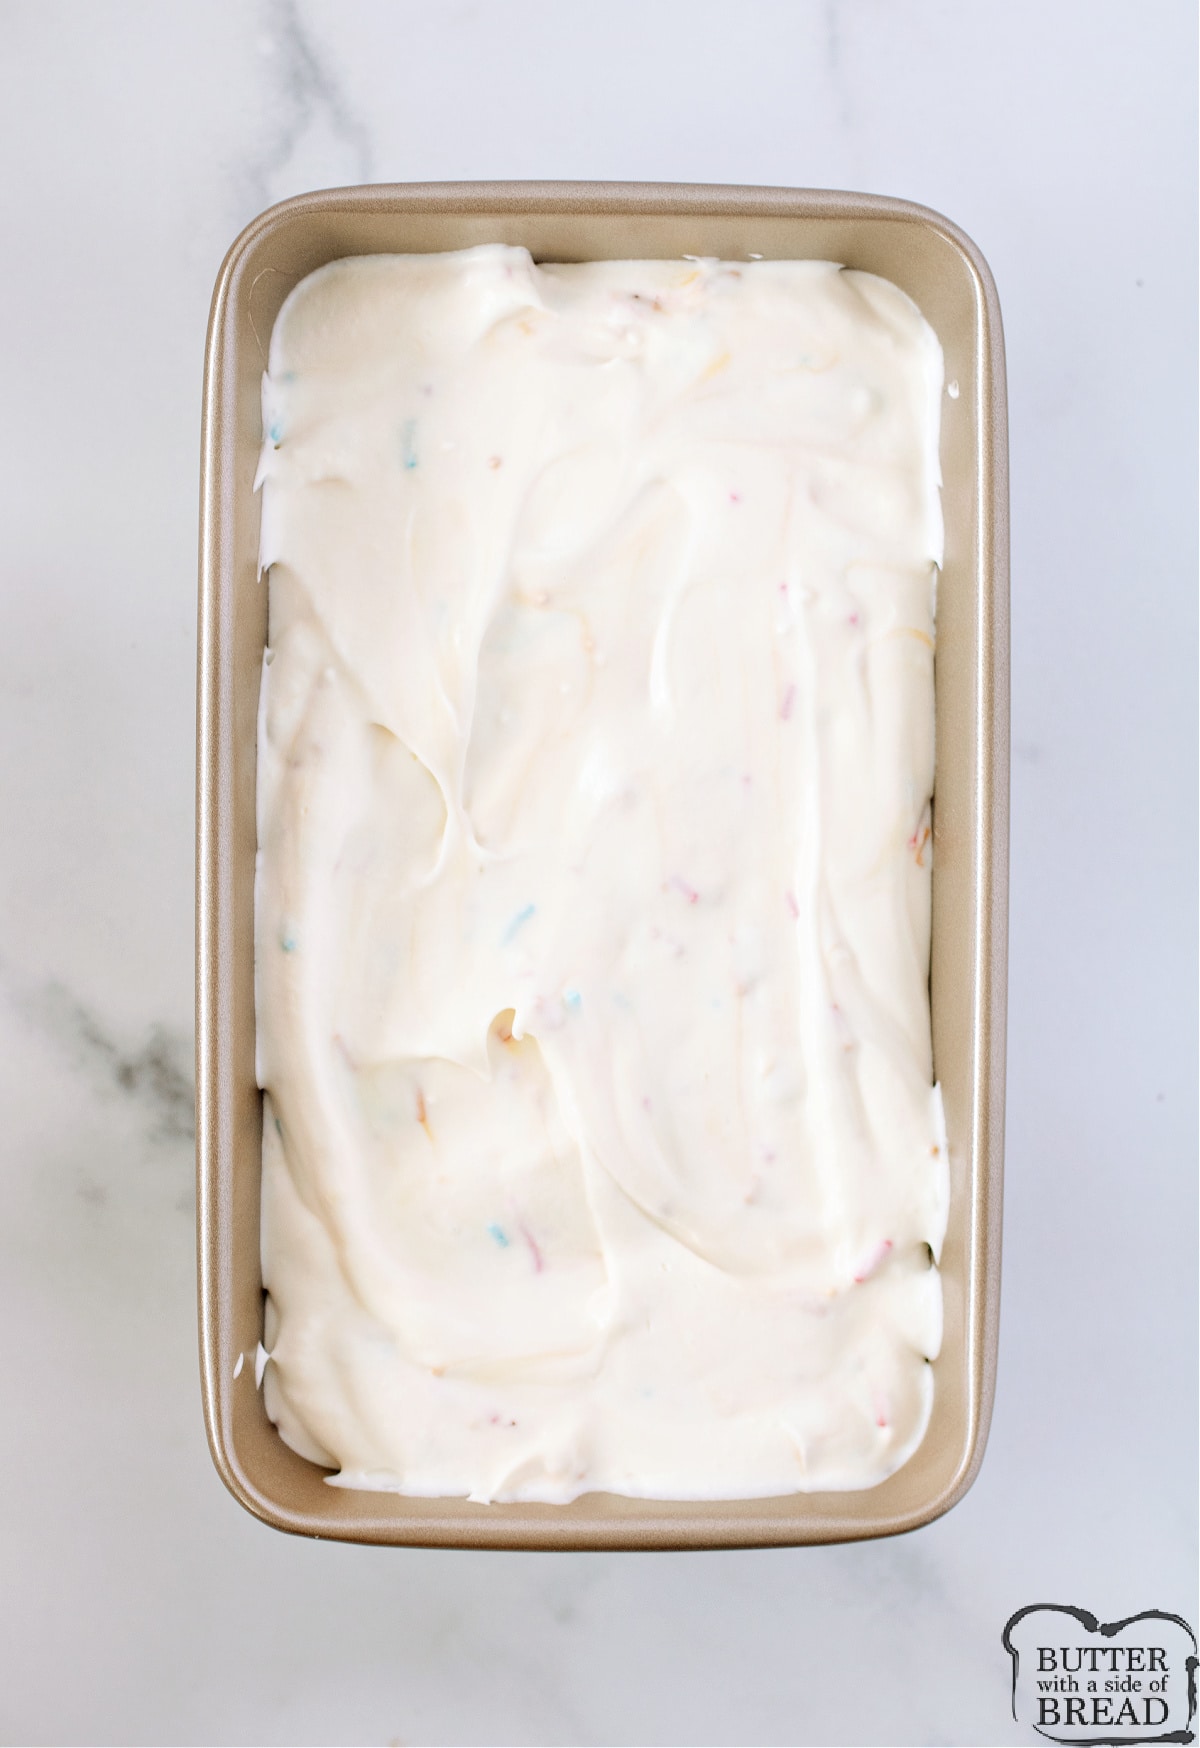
x,y
600,1145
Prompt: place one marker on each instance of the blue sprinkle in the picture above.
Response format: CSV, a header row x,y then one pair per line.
x,y
499,1234
572,997
288,943
275,432
278,1127
518,921
408,443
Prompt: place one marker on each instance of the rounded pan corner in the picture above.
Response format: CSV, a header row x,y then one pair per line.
x,y
260,229
257,1503
233,1476
956,1489
962,243
236,1475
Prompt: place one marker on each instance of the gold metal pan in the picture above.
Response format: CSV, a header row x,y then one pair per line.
x,y
946,276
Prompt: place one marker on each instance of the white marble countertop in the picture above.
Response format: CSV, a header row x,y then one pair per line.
x,y
141,1605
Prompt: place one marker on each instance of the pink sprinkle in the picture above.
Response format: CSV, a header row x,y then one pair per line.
x,y
538,1260
854,619
873,1262
344,1051
681,885
789,699
789,898
645,1104
735,497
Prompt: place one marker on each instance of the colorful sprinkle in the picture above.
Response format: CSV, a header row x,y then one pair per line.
x,y
539,1261
679,884
789,898
499,1234
572,998
918,842
788,705
518,922
877,1256
408,443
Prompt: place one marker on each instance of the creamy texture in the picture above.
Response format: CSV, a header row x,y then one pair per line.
x,y
600,1145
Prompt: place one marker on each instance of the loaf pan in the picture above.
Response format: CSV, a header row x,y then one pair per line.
x,y
946,276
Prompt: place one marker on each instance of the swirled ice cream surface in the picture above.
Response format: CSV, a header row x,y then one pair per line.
x,y
601,1149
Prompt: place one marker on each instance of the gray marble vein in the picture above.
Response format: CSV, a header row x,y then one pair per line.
x,y
316,137
156,1077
